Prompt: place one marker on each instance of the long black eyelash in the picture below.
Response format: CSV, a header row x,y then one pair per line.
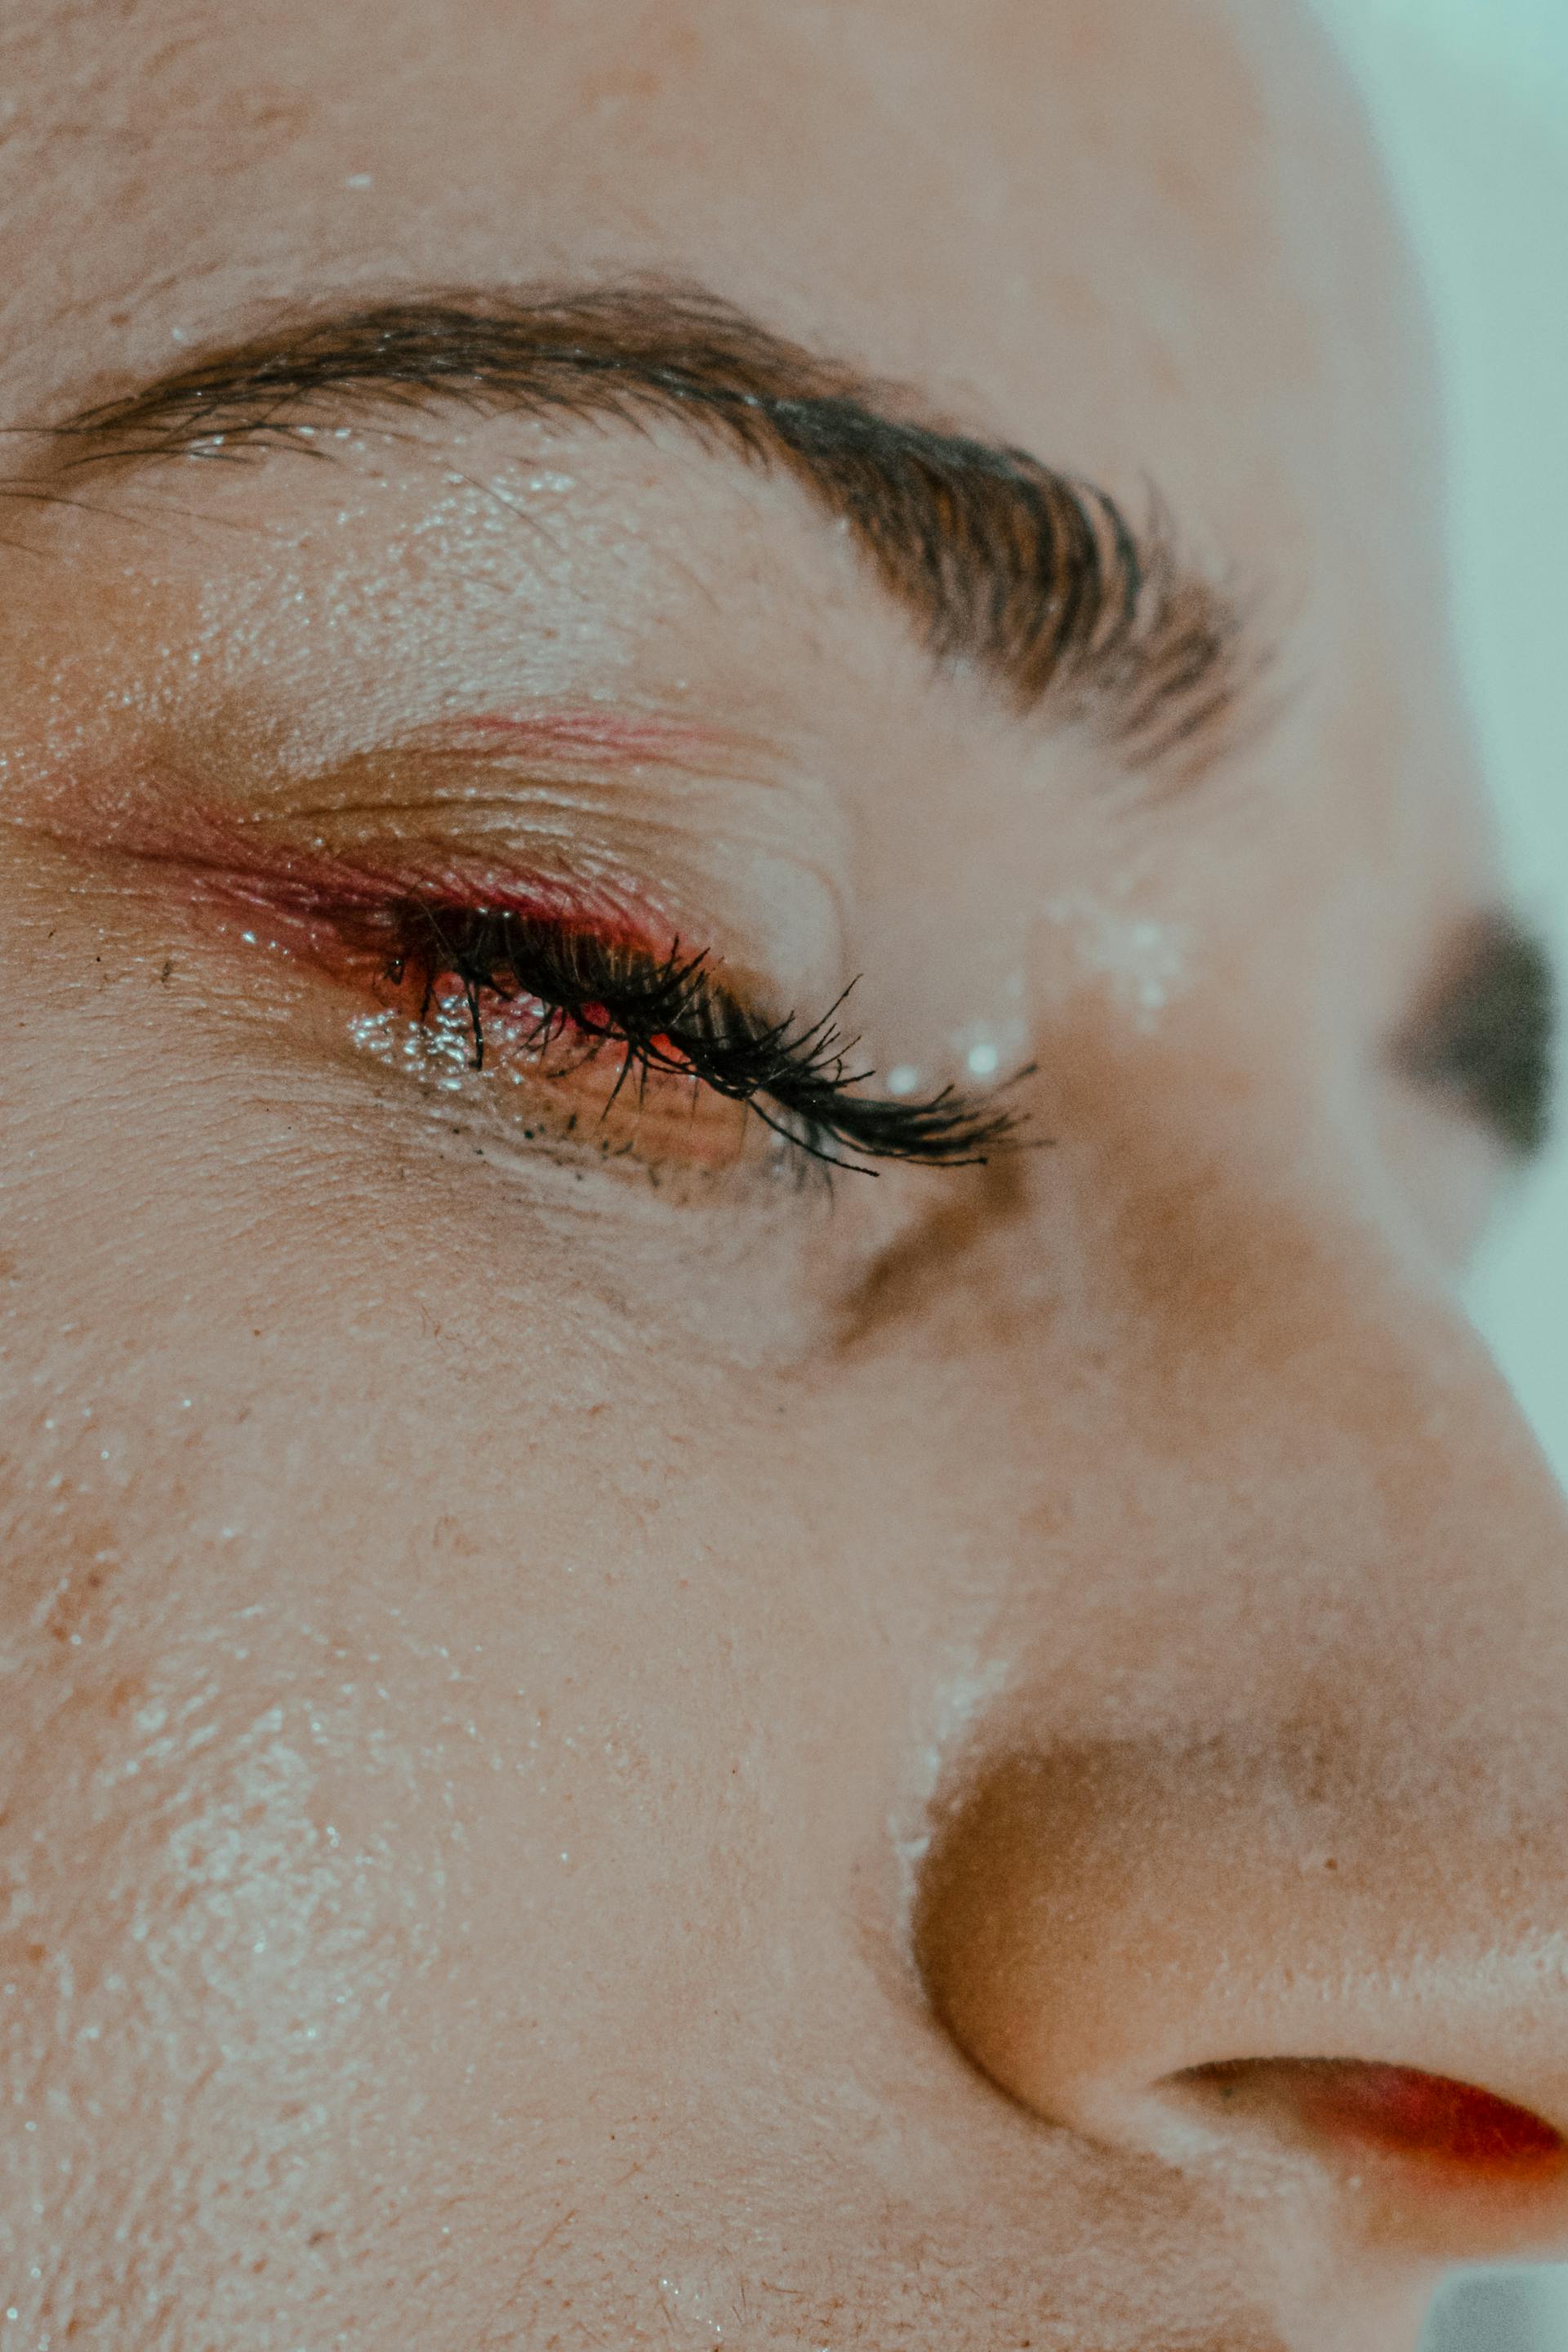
x,y
670,1013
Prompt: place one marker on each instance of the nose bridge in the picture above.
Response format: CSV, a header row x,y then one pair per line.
x,y
1335,1855
1405,1537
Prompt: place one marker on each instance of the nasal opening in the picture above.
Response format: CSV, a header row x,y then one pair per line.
x,y
1145,1946
1391,2110
1423,2160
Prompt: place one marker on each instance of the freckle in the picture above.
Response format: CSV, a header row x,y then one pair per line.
x,y
75,1597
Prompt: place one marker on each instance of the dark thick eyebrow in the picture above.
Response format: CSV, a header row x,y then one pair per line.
x,y
1032,577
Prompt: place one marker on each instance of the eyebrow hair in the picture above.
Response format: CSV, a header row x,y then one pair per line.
x,y
1033,577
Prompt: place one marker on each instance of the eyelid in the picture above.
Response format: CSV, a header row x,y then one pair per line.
x,y
352,927
797,1076
675,1017
684,827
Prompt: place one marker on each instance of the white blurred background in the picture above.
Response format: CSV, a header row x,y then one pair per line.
x,y
1471,97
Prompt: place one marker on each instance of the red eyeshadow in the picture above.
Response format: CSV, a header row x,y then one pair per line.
x,y
378,934
307,901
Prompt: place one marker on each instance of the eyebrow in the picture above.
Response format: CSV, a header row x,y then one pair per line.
x,y
1032,577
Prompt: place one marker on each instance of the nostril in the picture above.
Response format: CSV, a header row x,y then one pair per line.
x,y
1392,2110
1100,1932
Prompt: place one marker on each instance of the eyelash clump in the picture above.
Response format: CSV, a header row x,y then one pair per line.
x,y
671,1015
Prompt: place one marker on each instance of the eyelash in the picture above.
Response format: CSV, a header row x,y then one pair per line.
x,y
672,1016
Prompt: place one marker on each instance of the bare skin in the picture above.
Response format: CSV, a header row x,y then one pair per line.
x,y
616,1751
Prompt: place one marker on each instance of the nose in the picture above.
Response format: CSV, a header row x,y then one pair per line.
x,y
1294,1908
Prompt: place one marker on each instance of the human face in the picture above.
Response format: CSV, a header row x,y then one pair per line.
x,y
610,1738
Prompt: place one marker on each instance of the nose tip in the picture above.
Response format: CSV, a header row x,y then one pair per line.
x,y
1230,1956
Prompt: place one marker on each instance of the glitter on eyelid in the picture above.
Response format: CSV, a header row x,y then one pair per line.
x,y
440,1049
1146,961
984,1049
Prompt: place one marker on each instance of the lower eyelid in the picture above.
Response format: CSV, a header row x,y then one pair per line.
x,y
571,1097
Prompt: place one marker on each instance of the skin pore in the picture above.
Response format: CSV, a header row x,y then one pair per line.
x,y
608,1737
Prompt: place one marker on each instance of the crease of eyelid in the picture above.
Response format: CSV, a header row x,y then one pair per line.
x,y
455,835
447,749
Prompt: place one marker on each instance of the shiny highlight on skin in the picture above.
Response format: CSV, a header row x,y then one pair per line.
x,y
474,1632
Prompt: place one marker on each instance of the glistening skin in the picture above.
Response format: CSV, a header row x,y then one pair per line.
x,y
659,1690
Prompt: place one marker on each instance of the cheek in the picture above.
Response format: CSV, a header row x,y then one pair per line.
x,y
220,1934
216,1909
239,2009
335,1872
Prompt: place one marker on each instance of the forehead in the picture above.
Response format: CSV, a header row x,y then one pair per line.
x,y
1065,208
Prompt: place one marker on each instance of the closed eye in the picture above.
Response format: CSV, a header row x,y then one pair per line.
x,y
1490,1036
609,1026
669,1016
